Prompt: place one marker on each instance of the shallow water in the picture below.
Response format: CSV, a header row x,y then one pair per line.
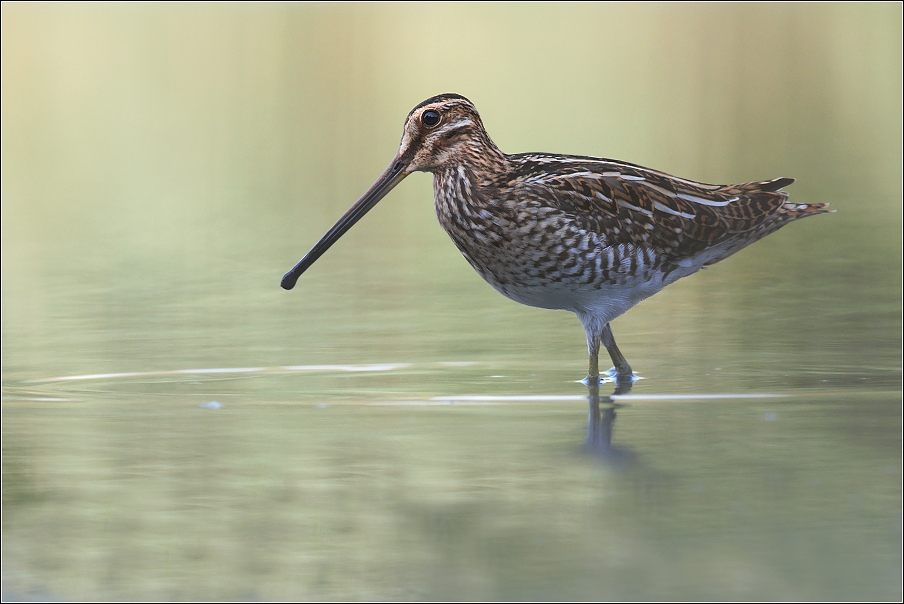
x,y
176,426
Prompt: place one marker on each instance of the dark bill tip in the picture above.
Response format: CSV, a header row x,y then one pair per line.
x,y
289,279
389,179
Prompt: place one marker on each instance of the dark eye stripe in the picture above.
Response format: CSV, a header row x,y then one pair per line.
x,y
453,133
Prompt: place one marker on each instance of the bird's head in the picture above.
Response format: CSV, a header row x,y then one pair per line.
x,y
442,132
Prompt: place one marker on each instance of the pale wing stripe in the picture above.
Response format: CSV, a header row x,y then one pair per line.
x,y
705,202
669,210
701,185
569,175
659,189
609,162
628,205
595,175
582,174
603,197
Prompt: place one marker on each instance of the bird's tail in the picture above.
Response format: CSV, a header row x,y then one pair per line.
x,y
793,211
785,214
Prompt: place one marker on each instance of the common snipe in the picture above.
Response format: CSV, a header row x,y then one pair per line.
x,y
592,236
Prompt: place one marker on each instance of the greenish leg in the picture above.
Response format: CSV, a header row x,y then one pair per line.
x,y
621,365
593,374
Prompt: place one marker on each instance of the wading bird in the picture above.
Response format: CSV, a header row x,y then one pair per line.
x,y
589,235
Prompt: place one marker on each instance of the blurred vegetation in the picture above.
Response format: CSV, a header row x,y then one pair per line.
x,y
163,165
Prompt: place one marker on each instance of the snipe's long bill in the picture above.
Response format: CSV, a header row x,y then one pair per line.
x,y
589,235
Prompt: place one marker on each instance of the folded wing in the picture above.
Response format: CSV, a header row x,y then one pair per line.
x,y
628,204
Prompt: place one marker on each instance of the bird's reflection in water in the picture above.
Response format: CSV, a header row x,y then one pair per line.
x,y
600,421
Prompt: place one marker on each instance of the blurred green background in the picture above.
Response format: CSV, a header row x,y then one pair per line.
x,y
164,165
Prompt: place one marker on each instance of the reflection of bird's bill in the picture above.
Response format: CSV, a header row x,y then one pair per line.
x,y
393,175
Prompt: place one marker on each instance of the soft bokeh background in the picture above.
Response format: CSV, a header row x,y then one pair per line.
x,y
163,166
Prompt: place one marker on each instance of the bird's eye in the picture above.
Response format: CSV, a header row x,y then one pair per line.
x,y
430,118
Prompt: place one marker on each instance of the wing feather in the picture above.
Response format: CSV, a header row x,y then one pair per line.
x,y
628,204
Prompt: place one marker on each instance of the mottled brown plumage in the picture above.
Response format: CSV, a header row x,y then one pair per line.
x,y
589,235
